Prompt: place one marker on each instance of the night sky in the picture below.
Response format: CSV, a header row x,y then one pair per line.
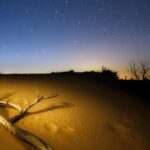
x,y
40,36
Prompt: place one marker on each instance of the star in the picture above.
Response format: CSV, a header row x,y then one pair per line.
x,y
146,4
79,22
56,11
18,55
31,30
5,47
27,11
2,50
104,29
44,51
66,1
75,41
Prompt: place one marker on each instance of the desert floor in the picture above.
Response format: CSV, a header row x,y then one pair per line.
x,y
86,115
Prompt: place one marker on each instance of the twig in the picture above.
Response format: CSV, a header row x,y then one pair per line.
x,y
37,100
23,113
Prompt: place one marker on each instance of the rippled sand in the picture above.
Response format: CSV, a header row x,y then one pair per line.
x,y
84,115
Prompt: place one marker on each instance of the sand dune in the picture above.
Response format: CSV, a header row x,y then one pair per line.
x,y
84,116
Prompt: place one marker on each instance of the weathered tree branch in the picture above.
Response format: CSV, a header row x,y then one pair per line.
x,y
24,135
20,133
23,112
37,100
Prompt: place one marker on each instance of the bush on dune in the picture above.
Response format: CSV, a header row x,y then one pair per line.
x,y
108,74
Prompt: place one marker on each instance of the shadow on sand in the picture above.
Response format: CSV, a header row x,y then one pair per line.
x,y
62,105
6,96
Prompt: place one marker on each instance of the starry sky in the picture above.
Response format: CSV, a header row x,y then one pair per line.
x,y
41,36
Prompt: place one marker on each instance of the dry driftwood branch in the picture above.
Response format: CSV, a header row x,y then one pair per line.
x,y
24,135
37,100
23,112
20,133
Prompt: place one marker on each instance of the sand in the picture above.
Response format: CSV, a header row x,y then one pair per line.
x,y
85,115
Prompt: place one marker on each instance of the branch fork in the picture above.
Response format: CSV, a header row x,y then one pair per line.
x,y
24,135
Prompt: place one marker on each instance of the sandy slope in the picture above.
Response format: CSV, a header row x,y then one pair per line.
x,y
84,116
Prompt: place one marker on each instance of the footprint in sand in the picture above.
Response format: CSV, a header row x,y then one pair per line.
x,y
69,130
52,128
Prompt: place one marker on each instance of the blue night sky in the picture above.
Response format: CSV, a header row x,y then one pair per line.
x,y
40,36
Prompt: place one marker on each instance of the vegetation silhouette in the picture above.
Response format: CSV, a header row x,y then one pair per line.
x,y
108,74
104,74
139,70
